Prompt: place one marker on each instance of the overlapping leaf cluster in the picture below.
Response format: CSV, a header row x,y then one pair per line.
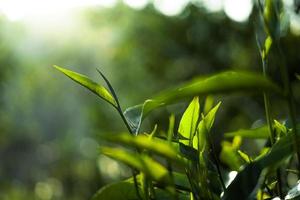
x,y
183,164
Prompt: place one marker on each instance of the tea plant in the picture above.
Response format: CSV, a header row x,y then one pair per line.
x,y
182,164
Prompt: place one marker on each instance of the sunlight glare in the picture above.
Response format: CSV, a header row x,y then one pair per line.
x,y
238,10
170,8
213,5
231,176
295,25
19,10
136,4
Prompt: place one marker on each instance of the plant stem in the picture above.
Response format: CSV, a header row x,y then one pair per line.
x,y
119,109
290,101
216,163
271,129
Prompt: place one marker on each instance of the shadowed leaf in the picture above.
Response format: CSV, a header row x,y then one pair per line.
x,y
120,190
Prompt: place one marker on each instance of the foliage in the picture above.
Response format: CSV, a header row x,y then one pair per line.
x,y
188,153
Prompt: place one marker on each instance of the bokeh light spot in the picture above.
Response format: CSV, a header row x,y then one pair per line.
x,y
170,8
238,10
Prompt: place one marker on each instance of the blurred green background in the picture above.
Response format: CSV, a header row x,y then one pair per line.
x,y
49,125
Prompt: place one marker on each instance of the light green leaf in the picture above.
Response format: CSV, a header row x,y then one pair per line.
x,y
143,142
189,120
225,82
143,163
279,128
229,153
208,105
256,133
97,89
204,127
267,47
245,156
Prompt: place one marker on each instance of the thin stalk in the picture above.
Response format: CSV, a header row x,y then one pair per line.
x,y
208,138
170,169
271,129
136,184
169,164
290,101
119,109
217,163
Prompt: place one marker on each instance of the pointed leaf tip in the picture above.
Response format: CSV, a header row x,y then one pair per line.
x,y
86,82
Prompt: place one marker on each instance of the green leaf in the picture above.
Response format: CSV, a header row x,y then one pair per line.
x,y
267,47
210,117
229,153
171,128
143,142
279,128
143,163
222,83
256,133
208,105
245,156
94,87
189,121
247,181
181,181
120,190
125,190
204,127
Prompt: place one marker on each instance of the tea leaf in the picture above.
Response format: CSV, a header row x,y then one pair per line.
x,y
247,181
204,127
145,143
120,190
189,121
256,133
145,164
94,87
244,156
229,153
279,128
226,82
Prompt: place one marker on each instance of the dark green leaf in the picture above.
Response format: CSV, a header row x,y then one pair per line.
x,y
97,89
120,190
226,82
